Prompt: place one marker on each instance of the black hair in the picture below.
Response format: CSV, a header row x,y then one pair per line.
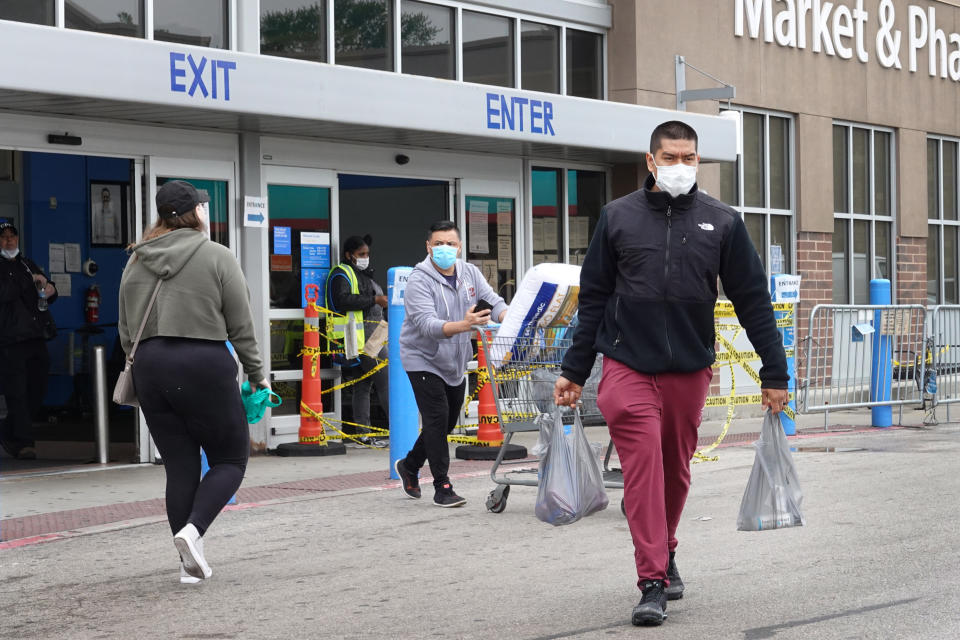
x,y
672,130
442,225
353,243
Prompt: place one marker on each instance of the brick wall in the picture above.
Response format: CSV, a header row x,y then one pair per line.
x,y
815,266
911,270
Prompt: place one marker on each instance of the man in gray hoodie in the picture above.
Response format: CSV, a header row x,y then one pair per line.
x,y
441,308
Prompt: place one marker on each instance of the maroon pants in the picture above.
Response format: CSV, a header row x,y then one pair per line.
x,y
653,421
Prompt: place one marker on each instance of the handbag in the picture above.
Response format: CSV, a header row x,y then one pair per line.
x,y
124,393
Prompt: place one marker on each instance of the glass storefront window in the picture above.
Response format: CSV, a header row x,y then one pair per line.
x,y
32,11
881,247
298,217
201,24
950,275
881,173
949,156
863,197
547,188
584,64
488,44
781,245
363,33
840,185
117,17
779,162
539,57
760,186
933,265
286,341
427,40
861,262
757,233
861,170
294,29
218,218
753,160
840,274
729,189
586,195
933,180
491,238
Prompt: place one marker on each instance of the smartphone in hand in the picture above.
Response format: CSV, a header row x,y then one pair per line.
x,y
482,305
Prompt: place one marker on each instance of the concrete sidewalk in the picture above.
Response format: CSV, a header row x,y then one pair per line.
x,y
92,497
876,559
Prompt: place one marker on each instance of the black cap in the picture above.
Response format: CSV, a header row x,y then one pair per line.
x,y
8,225
178,197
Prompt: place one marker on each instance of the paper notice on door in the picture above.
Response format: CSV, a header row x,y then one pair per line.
x,y
579,232
550,239
477,221
538,234
504,217
491,274
504,253
63,283
56,257
71,255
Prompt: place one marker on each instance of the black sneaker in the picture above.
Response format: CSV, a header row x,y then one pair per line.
x,y
27,453
652,608
445,497
409,482
675,590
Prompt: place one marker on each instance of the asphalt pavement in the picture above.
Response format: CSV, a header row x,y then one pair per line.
x,y
343,554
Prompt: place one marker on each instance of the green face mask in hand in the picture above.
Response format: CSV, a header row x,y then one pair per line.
x,y
255,403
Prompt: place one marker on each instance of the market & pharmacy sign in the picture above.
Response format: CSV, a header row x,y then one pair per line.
x,y
839,30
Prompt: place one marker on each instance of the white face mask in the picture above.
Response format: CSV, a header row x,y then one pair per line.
x,y
363,263
676,179
10,254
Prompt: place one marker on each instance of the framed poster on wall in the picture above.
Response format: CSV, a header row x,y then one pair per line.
x,y
108,214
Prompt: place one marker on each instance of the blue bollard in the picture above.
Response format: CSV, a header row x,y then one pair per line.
x,y
205,466
881,365
404,421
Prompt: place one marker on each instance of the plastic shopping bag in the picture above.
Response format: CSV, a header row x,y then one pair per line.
x,y
255,402
571,482
772,499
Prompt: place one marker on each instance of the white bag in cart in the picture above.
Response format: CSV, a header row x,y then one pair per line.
x,y
772,499
571,481
547,297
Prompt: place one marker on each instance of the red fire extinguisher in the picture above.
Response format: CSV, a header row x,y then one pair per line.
x,y
92,305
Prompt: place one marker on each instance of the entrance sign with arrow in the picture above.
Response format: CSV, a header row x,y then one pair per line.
x,y
254,211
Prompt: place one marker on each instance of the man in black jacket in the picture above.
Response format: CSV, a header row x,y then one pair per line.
x,y
25,325
647,294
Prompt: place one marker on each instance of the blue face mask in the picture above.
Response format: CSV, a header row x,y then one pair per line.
x,y
444,256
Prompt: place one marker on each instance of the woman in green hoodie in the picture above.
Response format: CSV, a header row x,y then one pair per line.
x,y
185,377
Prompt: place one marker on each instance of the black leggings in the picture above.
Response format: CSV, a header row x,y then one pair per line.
x,y
190,398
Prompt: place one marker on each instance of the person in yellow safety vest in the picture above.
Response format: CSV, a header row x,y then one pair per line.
x,y
352,291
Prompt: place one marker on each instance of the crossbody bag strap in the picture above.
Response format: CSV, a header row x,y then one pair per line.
x,y
146,315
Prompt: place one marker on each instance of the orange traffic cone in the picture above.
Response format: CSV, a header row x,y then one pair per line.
x,y
488,428
489,434
312,438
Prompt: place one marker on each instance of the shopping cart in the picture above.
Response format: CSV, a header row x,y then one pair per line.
x,y
522,372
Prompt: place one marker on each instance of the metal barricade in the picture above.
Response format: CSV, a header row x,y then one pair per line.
x,y
523,372
942,355
840,348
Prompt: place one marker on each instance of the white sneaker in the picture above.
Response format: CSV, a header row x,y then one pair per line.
x,y
190,545
186,578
